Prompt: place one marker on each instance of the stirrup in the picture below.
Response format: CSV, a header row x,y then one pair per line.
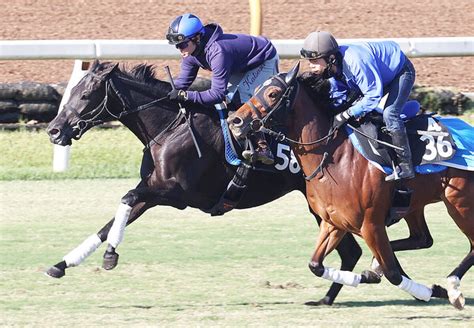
x,y
399,174
248,154
254,156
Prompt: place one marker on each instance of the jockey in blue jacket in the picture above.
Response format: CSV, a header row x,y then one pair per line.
x,y
372,69
238,62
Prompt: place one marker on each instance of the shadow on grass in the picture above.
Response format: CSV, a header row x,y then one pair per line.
x,y
404,302
355,304
195,305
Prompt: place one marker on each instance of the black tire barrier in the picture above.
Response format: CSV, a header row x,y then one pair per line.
x,y
9,90
7,106
10,117
38,111
31,91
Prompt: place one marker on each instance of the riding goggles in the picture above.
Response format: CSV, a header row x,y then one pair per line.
x,y
182,45
175,38
308,54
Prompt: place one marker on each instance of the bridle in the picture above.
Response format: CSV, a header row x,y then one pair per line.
x,y
92,118
286,103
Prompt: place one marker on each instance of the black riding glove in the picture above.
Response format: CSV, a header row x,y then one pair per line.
x,y
178,94
341,118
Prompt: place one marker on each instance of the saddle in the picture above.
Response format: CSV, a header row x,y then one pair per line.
x,y
430,141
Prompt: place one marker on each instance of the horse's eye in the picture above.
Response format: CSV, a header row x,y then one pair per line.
x,y
273,95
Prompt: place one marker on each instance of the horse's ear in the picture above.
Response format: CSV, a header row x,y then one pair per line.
x,y
290,76
109,68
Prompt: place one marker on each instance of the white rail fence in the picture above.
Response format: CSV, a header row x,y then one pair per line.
x,y
160,49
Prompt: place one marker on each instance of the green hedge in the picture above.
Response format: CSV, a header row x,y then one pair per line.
x,y
442,100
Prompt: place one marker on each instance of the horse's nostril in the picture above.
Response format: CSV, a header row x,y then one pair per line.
x,y
54,132
237,121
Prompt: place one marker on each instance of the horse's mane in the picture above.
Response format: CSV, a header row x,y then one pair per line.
x,y
316,87
142,72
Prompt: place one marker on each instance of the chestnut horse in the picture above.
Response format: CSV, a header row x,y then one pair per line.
x,y
346,191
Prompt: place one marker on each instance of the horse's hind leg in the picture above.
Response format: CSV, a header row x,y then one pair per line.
x,y
458,197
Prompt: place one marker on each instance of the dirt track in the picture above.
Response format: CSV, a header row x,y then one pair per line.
x,y
283,19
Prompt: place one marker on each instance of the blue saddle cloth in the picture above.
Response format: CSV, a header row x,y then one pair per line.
x,y
462,135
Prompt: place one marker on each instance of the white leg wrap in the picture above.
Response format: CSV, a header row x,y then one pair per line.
x,y
116,233
375,266
415,289
342,277
79,254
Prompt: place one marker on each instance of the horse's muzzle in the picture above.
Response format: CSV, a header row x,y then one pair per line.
x,y
58,137
237,126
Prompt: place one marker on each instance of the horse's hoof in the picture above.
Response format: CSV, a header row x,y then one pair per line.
x,y
369,277
110,260
454,294
55,272
439,292
323,301
456,298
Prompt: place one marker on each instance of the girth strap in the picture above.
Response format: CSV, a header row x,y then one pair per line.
x,y
234,192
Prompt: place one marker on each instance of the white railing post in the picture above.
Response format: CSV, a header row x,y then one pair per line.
x,y
62,154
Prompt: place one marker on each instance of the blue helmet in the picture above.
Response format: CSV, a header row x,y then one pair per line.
x,y
183,28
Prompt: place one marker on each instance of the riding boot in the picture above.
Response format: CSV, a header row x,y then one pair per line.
x,y
405,165
262,152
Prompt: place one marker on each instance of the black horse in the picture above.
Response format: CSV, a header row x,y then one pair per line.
x,y
171,172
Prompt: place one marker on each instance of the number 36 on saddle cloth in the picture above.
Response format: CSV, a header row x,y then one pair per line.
x,y
435,142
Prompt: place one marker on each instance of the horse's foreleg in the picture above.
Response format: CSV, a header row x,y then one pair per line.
x,y
349,251
378,242
125,215
419,238
329,238
137,201
85,249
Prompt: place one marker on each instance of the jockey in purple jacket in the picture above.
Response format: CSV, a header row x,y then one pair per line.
x,y
238,62
372,69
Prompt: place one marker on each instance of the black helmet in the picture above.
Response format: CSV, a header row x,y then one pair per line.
x,y
319,44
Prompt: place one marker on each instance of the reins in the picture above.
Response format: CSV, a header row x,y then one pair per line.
x,y
83,123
